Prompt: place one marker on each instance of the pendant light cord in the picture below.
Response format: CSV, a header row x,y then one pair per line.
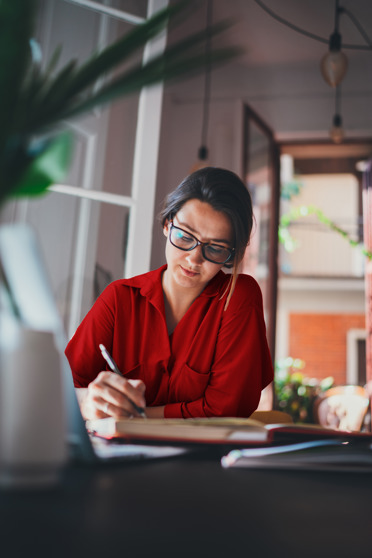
x,y
203,152
337,15
317,37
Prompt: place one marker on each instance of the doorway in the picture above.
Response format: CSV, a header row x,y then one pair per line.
x,y
321,290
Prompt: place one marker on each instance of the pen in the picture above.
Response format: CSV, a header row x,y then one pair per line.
x,y
114,367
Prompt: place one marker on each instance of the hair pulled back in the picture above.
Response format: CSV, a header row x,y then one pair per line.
x,y
224,191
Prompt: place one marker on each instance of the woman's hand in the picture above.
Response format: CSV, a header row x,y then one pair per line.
x,y
110,395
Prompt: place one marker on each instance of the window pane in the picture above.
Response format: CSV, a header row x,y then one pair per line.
x,y
319,250
78,270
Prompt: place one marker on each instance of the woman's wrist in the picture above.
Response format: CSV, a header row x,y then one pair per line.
x,y
81,394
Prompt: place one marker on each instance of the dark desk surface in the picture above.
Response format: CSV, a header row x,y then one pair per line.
x,y
190,506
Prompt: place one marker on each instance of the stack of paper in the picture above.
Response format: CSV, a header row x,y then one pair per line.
x,y
328,454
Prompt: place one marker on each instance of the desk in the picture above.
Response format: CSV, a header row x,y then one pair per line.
x,y
190,506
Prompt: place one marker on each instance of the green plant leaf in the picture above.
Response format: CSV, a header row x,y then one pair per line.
x,y
306,210
102,63
159,69
16,19
46,168
37,103
70,93
71,82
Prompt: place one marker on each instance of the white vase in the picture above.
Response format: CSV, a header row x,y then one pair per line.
x,y
33,449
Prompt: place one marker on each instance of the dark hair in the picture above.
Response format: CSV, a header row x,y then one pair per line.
x,y
224,191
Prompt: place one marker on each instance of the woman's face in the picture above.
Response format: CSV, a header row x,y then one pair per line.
x,y
191,269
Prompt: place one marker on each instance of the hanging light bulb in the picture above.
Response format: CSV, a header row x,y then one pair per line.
x,y
337,132
334,63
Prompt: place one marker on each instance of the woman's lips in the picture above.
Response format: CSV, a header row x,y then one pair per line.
x,y
188,272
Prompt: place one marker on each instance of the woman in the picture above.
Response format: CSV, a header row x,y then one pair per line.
x,y
189,339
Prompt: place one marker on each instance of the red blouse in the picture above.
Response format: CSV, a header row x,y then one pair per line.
x,y
215,363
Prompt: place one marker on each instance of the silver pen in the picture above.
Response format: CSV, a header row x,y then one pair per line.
x,y
114,367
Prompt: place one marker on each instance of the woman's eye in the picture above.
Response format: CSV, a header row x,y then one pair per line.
x,y
214,249
184,237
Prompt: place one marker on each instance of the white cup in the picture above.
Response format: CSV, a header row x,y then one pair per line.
x,y
33,449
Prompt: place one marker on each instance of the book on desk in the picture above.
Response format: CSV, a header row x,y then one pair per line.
x,y
215,430
327,454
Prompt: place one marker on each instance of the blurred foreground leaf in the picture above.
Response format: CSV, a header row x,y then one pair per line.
x,y
35,103
47,168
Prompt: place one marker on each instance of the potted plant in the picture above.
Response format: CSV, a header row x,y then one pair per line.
x,y
35,101
295,392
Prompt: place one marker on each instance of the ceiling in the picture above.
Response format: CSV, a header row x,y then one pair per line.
x,y
269,41
279,74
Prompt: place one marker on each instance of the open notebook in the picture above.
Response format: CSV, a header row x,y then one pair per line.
x,y
25,272
217,430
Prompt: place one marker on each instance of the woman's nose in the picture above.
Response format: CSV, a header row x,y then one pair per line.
x,y
195,256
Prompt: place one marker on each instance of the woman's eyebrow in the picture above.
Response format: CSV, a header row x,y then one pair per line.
x,y
194,232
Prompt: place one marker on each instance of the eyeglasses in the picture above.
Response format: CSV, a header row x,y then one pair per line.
x,y
184,240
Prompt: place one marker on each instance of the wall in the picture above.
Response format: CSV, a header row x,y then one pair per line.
x,y
321,341
117,179
315,303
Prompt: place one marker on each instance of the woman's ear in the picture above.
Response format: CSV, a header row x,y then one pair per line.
x,y
165,228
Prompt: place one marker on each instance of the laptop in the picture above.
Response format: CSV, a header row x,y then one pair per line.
x,y
24,270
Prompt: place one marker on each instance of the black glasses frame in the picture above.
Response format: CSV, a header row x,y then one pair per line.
x,y
200,243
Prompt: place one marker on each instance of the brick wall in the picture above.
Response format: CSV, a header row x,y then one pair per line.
x,y
320,340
